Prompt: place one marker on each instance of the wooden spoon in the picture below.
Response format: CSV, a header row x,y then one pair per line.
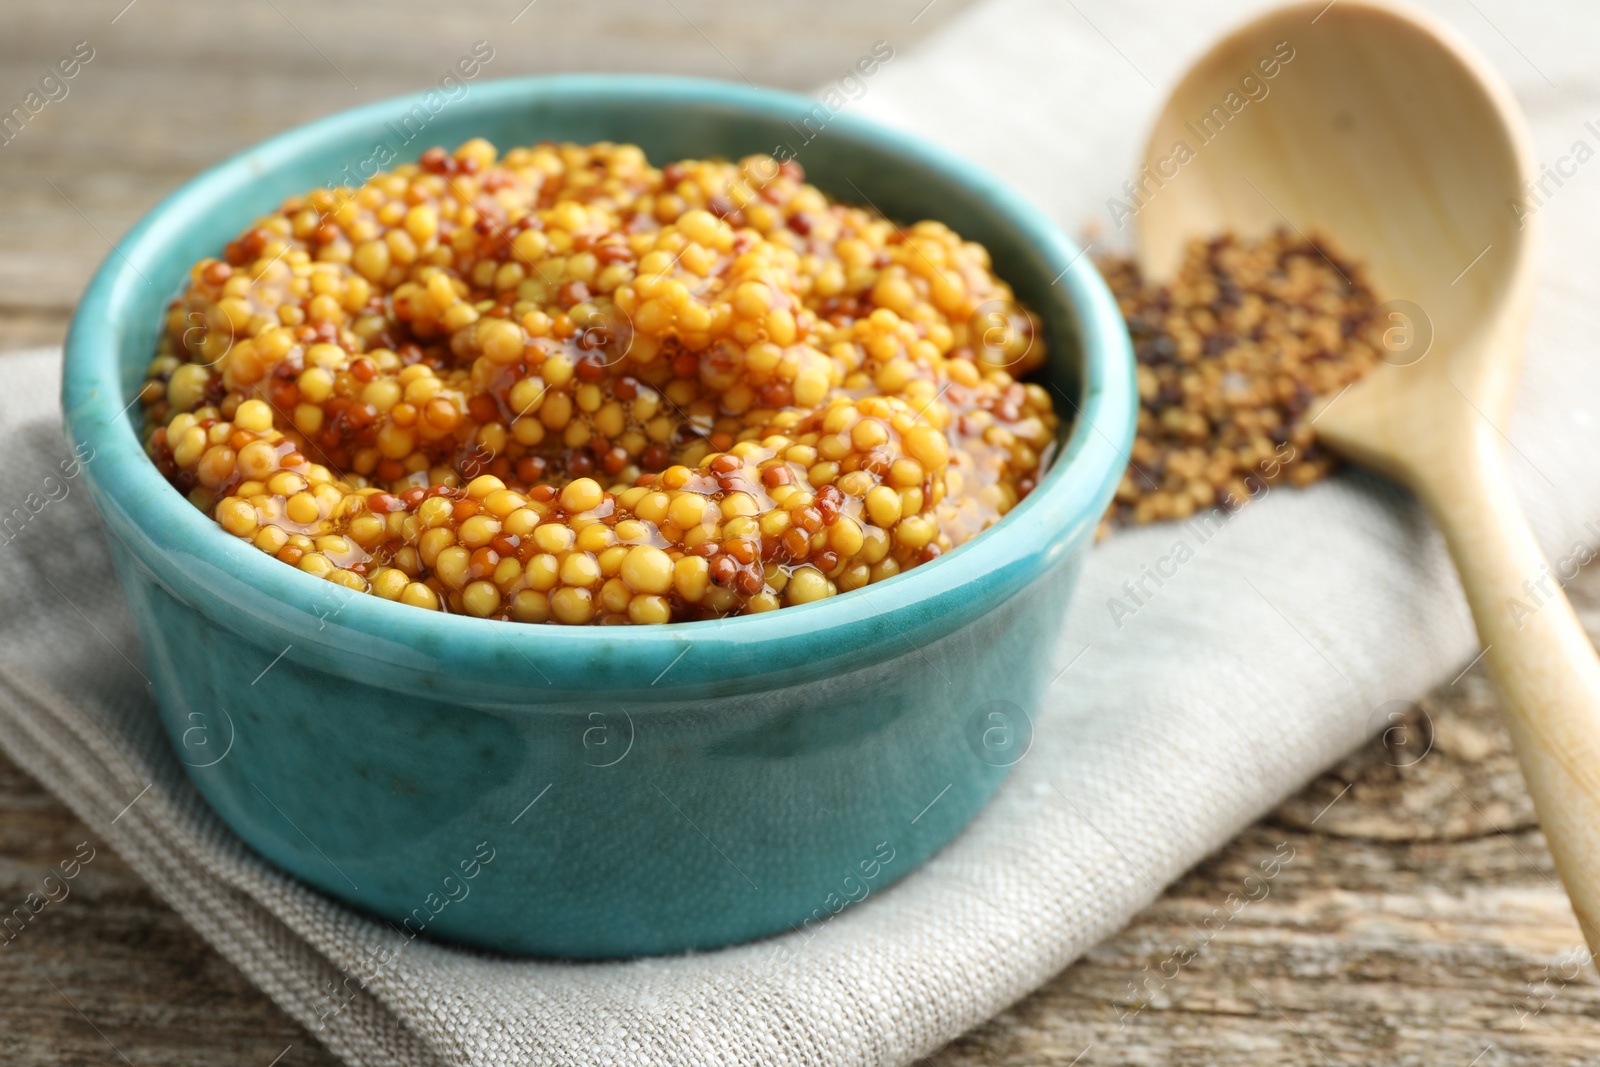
x,y
1382,130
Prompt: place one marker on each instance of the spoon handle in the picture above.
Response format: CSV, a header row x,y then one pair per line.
x,y
1540,657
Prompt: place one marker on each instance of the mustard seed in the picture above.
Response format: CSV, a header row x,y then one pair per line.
x,y
549,385
1231,355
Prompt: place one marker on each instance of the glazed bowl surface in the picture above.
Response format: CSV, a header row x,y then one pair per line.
x,y
600,791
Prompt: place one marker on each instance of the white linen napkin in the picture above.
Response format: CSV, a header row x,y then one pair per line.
x,y
1261,662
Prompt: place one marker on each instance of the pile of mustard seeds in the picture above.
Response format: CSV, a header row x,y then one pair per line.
x,y
1232,354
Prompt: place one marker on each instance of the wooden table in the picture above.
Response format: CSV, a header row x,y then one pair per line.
x,y
1419,921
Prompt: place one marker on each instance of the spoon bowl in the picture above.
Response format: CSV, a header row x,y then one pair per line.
x,y
1382,131
1374,126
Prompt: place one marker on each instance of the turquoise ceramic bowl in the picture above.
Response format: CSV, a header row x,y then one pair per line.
x,y
596,792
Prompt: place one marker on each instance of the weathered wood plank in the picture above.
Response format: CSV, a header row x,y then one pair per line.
x,y
1417,921
176,85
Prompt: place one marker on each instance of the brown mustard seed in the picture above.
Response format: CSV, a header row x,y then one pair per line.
x,y
1231,355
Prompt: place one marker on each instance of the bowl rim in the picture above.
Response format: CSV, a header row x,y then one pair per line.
x,y
169,536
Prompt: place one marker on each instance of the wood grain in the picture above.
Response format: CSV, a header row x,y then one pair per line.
x,y
1326,156
1417,922
176,85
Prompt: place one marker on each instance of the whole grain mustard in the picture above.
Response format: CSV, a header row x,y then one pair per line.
x,y
562,385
